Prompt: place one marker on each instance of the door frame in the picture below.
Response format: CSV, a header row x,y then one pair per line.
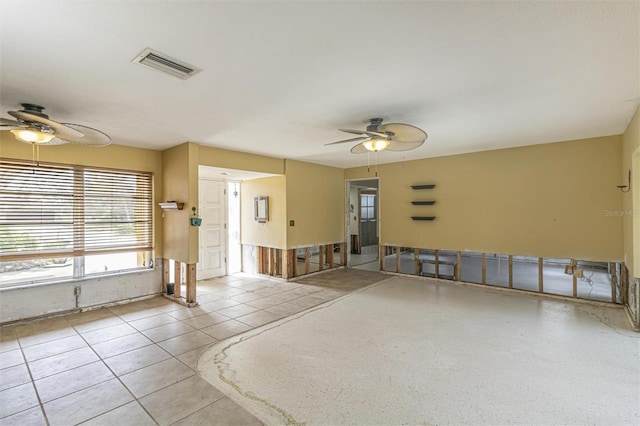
x,y
347,214
226,220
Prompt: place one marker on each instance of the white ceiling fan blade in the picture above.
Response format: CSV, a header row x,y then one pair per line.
x,y
364,132
88,136
404,132
6,124
61,130
355,132
347,140
403,146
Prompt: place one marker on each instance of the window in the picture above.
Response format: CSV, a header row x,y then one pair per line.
x,y
368,206
56,219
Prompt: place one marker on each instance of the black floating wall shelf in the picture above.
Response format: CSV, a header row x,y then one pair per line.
x,y
423,203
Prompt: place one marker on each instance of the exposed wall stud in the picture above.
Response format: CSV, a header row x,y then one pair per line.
x,y
286,263
165,275
383,250
307,257
437,264
458,266
397,259
191,283
279,259
271,266
624,284
266,261
320,258
540,275
614,282
330,255
263,260
484,268
343,254
510,271
177,279
276,261
574,265
294,263
416,258
266,253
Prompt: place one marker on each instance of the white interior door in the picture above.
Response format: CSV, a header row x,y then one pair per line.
x,y
213,233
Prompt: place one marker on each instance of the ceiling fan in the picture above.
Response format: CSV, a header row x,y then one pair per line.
x,y
34,126
379,137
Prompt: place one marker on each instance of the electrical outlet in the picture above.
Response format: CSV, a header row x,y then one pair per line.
x,y
77,291
578,273
292,223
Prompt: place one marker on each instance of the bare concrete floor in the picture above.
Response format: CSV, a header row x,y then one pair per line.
x,y
413,351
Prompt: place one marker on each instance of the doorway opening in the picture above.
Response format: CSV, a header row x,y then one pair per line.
x,y
219,192
363,224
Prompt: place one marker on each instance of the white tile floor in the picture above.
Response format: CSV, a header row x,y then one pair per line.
x,y
135,364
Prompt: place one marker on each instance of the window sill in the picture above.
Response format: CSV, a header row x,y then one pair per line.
x,y
33,284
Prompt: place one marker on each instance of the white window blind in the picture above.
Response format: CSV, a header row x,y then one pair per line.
x,y
54,210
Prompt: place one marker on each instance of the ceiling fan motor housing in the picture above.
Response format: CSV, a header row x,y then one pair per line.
x,y
34,109
373,124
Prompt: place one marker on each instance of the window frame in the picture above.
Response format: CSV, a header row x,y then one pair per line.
x,y
96,214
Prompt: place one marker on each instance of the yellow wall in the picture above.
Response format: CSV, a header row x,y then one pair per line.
x,y
543,200
316,202
180,184
194,201
631,199
310,194
112,156
272,233
216,157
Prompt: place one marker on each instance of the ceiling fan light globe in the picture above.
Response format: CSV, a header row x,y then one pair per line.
x,y
376,145
32,136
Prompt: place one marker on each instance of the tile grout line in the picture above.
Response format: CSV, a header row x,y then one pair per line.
x,y
122,383
33,384
200,409
157,390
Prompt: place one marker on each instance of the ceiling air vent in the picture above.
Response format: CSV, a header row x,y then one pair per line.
x,y
159,61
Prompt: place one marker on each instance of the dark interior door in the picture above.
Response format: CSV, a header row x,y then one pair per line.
x,y
368,218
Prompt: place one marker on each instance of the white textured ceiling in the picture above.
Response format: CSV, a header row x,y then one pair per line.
x,y
279,78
